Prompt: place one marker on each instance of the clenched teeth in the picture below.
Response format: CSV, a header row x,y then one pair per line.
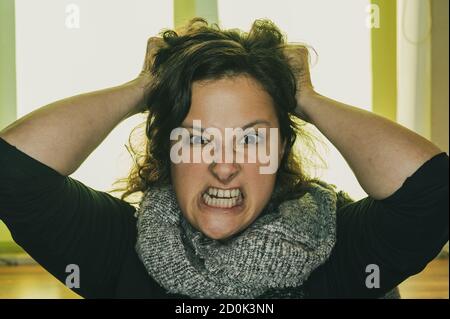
x,y
223,193
221,202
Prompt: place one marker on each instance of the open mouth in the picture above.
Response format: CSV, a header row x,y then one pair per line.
x,y
223,198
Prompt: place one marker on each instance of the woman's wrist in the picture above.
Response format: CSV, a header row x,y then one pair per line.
x,y
305,102
138,88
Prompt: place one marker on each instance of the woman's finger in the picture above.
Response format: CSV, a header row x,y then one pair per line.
x,y
153,45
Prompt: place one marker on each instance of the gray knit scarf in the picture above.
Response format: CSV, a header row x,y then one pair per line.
x,y
279,250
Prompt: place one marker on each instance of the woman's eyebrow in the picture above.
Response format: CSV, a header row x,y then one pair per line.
x,y
253,123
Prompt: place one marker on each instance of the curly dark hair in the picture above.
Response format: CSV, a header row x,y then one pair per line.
x,y
200,51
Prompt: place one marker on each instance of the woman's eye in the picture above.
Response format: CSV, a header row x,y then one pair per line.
x,y
197,140
251,139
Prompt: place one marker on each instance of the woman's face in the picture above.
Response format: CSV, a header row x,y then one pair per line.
x,y
222,198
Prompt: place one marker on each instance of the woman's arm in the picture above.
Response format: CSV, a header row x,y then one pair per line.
x,y
64,133
381,153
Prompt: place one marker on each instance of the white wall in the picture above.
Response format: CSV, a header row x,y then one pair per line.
x,y
337,31
55,61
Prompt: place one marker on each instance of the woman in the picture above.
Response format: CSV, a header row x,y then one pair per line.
x,y
217,228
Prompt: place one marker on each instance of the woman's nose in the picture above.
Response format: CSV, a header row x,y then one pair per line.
x,y
224,172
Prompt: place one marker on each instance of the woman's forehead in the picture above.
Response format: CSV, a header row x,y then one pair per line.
x,y
231,102
226,91
198,125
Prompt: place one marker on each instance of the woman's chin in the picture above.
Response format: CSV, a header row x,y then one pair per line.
x,y
219,223
217,232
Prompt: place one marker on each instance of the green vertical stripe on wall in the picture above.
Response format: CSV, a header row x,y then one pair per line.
x,y
384,60
184,10
7,63
7,86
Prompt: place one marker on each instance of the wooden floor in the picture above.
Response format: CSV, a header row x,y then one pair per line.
x,y
431,283
32,281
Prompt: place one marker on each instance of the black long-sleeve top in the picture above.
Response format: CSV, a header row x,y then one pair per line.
x,y
60,221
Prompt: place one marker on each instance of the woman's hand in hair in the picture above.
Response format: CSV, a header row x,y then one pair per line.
x,y
145,78
298,58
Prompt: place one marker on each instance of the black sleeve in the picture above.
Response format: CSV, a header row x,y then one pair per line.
x,y
400,235
59,221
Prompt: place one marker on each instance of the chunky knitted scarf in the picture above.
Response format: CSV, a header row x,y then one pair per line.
x,y
277,251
